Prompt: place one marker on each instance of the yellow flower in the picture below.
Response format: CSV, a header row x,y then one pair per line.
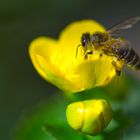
x,y
56,62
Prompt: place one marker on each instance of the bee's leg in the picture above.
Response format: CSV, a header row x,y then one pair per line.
x,y
118,72
86,56
118,66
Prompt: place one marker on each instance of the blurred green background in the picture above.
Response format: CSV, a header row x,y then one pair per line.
x,y
21,88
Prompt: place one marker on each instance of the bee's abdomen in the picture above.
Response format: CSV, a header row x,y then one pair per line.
x,y
131,58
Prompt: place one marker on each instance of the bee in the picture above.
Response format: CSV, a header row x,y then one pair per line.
x,y
111,44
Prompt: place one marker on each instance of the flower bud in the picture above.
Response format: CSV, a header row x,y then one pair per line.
x,y
89,116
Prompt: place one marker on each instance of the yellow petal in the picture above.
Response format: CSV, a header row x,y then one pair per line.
x,y
56,60
40,51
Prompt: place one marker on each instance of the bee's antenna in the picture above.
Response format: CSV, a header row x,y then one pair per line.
x,y
77,50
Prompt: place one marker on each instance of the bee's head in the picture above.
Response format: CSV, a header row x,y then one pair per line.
x,y
98,38
85,39
86,44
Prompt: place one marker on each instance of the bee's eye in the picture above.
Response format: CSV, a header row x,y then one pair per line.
x,y
85,39
83,42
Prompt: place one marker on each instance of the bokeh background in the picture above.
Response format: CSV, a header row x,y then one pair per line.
x,y
21,88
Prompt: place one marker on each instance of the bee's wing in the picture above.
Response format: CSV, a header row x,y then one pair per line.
x,y
124,25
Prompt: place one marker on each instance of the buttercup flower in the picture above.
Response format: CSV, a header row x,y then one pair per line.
x,y
56,61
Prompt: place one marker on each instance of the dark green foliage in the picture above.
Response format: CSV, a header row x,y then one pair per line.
x,y
47,121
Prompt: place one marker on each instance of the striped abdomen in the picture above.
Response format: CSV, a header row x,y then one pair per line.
x,y
130,57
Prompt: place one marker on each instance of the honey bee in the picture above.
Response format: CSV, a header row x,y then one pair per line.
x,y
111,44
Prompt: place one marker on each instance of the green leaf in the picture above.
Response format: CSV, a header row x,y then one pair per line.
x,y
47,122
31,126
118,126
